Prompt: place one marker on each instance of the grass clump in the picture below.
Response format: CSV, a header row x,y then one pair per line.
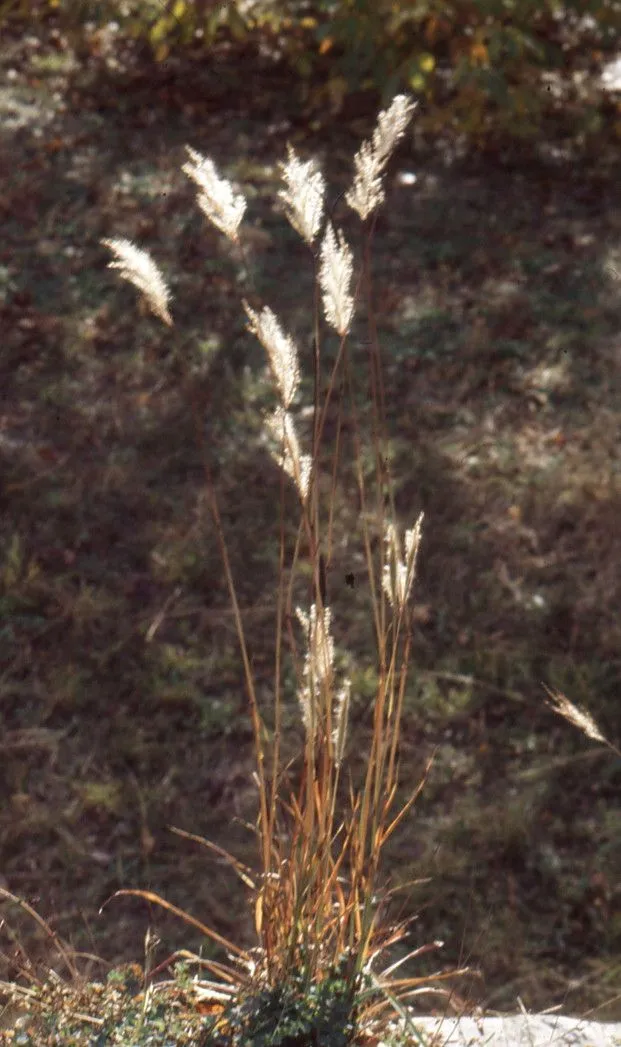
x,y
318,903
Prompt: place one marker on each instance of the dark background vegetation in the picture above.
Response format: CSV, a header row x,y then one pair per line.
x,y
122,705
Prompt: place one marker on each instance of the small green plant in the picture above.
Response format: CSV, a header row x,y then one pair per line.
x,y
319,907
292,1012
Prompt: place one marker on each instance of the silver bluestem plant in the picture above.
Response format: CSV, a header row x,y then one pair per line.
x,y
317,899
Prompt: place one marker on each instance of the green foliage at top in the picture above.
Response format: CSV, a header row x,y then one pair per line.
x,y
483,67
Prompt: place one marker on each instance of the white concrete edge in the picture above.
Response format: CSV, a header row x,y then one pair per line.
x,y
522,1030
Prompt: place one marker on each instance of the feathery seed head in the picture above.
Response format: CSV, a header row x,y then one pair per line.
x,y
391,126
307,707
287,454
303,195
339,734
335,275
137,266
318,665
280,348
398,573
320,653
217,200
367,193
394,582
412,543
580,718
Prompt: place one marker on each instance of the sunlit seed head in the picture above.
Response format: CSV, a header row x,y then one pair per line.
x,y
280,428
367,193
303,195
218,201
137,266
335,274
280,348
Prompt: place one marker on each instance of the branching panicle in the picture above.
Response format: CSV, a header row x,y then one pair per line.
x,y
280,348
335,275
286,452
399,572
341,718
367,193
320,648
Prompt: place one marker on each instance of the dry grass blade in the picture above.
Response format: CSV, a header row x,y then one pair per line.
x,y
242,870
150,896
390,828
58,945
